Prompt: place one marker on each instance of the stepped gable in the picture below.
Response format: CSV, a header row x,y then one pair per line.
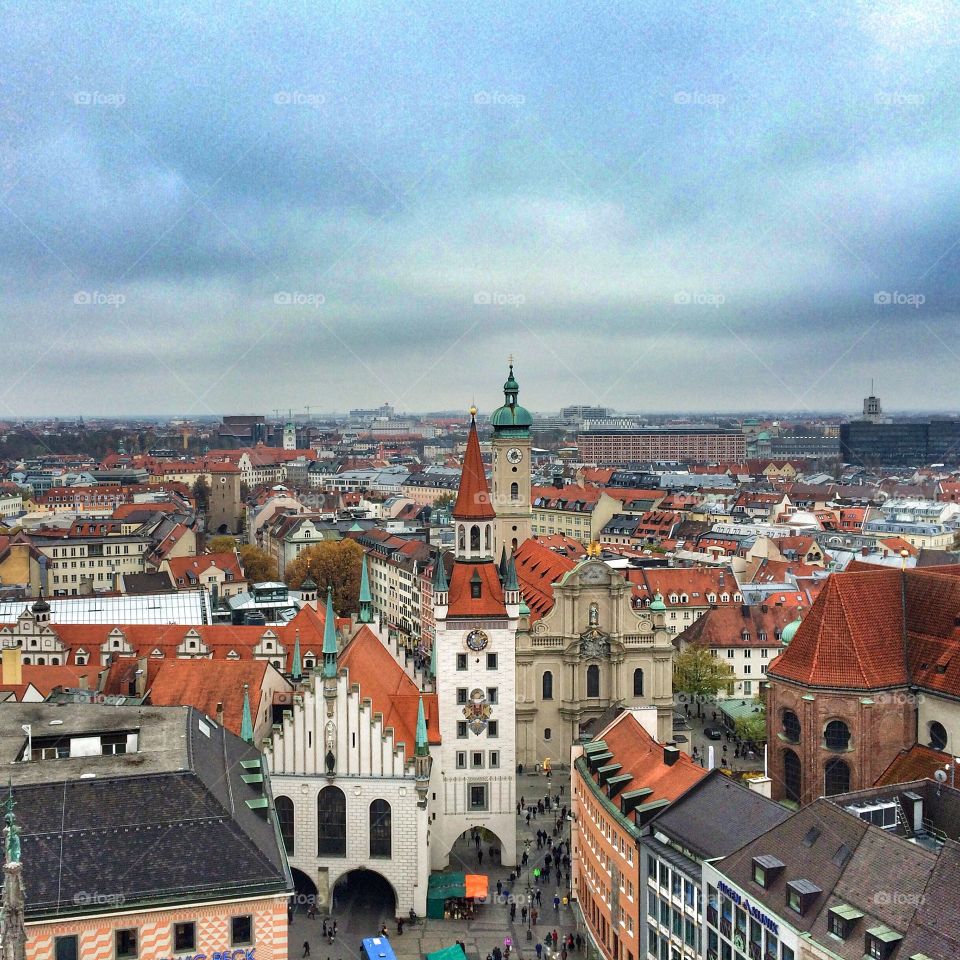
x,y
389,689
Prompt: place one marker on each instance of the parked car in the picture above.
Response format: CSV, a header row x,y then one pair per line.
x,y
713,733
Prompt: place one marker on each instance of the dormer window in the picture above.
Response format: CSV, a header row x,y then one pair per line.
x,y
841,920
801,895
476,585
765,870
880,942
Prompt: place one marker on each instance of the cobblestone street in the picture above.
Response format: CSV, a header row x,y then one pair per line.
x,y
491,927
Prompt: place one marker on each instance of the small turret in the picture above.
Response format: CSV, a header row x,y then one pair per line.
x,y
308,590
441,589
421,758
246,725
366,598
330,639
296,670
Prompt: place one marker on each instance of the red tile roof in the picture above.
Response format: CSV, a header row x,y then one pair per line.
x,y
462,603
205,683
473,496
538,568
390,690
640,755
191,568
853,636
45,678
917,763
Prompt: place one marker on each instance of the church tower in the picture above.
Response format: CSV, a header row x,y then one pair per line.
x,y
474,663
511,467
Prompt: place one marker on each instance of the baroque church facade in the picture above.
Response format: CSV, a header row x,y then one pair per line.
x,y
375,772
581,648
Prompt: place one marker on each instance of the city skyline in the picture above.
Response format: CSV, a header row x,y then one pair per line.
x,y
687,212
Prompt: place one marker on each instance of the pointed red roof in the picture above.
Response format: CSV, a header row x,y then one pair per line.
x,y
490,603
473,497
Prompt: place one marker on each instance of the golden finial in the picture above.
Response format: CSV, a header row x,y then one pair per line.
x,y
473,411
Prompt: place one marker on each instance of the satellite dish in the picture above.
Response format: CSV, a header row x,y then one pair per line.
x,y
940,776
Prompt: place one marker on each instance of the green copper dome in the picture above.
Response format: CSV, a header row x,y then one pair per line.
x,y
658,604
511,417
790,631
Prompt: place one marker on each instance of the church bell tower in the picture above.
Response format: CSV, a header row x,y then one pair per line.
x,y
511,467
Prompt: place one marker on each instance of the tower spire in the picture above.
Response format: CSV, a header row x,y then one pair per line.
x,y
296,670
366,598
330,638
422,747
246,724
13,934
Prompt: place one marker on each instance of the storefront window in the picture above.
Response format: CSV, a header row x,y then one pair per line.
x,y
676,885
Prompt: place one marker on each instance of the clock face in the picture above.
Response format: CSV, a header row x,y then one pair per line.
x,y
477,640
514,455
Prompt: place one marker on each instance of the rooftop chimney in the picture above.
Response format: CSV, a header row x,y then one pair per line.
x,y
671,753
220,713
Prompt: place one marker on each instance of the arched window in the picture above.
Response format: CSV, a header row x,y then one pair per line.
x,y
380,830
638,682
514,491
836,736
593,680
791,726
547,685
285,820
331,823
836,778
475,538
938,735
461,543
486,539
792,778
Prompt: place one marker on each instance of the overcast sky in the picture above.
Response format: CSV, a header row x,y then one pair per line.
x,y
654,206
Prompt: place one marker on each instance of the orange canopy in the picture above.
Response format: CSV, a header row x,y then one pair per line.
x,y
476,885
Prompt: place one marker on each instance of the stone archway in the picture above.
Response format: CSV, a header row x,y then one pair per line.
x,y
364,900
305,891
463,854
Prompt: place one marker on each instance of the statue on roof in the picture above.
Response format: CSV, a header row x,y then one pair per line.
x,y
12,831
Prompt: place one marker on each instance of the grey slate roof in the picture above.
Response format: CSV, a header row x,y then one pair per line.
x,y
691,819
168,824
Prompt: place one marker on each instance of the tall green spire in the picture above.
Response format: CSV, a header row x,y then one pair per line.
x,y
246,726
422,747
439,575
502,566
510,575
366,598
433,659
330,638
296,670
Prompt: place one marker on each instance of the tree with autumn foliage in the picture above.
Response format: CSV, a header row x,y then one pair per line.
x,y
334,562
700,676
258,565
222,543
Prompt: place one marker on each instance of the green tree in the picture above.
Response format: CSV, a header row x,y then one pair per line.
x,y
221,544
700,676
444,500
753,728
335,562
258,565
201,494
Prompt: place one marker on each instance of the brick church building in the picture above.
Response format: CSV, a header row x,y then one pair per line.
x,y
871,672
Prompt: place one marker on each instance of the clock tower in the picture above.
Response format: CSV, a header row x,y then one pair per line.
x,y
474,651
511,467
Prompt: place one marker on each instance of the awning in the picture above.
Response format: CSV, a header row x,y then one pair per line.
x,y
447,953
476,885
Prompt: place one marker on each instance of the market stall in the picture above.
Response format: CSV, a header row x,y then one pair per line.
x,y
453,896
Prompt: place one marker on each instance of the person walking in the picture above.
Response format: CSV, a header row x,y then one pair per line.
x,y
556,903
513,912
334,932
533,915
524,859
523,914
479,855
539,950
399,926
306,948
324,928
499,887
